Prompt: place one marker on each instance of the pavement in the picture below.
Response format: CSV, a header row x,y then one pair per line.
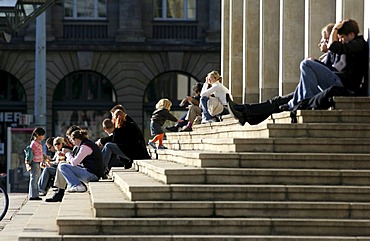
x,y
16,202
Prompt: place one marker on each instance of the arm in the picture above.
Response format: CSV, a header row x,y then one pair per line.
x,y
81,154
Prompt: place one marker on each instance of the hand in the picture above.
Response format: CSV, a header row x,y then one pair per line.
x,y
339,25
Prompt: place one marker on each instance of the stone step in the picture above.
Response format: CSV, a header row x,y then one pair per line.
x,y
213,226
176,173
279,130
139,187
335,161
119,206
168,237
351,103
286,145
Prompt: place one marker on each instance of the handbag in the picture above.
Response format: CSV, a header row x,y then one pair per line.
x,y
214,106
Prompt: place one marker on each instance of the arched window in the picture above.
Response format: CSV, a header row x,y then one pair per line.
x,y
174,86
82,98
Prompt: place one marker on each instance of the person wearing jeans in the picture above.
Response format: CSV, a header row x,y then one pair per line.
x,y
86,166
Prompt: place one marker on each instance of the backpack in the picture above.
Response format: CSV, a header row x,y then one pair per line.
x,y
28,154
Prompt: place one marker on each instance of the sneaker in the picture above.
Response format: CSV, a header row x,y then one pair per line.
x,y
152,144
209,121
42,193
78,188
162,147
186,128
35,198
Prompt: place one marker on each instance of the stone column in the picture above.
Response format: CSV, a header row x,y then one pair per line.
x,y
236,49
225,38
318,14
251,51
353,9
130,22
213,33
292,38
269,49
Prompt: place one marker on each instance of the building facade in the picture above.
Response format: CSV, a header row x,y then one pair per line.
x,y
105,52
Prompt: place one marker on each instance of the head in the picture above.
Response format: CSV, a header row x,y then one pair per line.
x,y
49,144
164,104
78,136
348,31
58,143
197,88
119,118
108,125
117,107
325,34
213,77
38,134
70,130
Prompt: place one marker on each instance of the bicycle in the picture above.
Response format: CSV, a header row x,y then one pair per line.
x,y
4,202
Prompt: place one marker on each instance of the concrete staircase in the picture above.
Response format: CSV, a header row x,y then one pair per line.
x,y
223,181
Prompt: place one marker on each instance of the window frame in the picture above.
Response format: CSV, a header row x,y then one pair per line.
x,y
165,9
95,11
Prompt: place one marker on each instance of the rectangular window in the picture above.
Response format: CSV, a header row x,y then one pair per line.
x,y
85,9
175,9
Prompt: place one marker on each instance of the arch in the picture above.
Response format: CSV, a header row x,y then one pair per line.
x,y
82,98
173,85
12,92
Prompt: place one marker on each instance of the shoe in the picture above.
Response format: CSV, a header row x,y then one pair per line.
x,y
186,128
35,199
209,121
57,197
78,188
152,144
284,107
128,164
172,128
42,193
233,112
162,147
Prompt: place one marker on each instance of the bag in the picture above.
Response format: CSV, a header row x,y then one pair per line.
x,y
28,154
214,106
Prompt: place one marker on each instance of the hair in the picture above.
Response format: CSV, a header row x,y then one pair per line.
x,y
38,131
120,117
79,134
107,123
328,28
72,129
50,141
216,75
197,88
349,26
117,107
59,139
164,104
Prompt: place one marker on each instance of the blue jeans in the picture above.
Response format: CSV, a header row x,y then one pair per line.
x,y
315,77
110,150
75,174
207,116
47,173
33,189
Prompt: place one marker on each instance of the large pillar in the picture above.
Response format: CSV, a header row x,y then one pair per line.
x,y
236,49
225,38
251,51
269,49
130,22
291,44
40,72
318,14
353,9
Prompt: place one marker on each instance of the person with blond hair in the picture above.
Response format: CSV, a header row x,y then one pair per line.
x,y
213,87
159,117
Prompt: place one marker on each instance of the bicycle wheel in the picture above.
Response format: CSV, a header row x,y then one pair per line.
x,y
4,202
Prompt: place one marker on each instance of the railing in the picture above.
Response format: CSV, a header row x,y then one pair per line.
x,y
175,31
85,31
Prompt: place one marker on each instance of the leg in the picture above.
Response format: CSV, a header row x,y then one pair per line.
x,y
34,178
203,101
110,150
75,175
47,173
315,77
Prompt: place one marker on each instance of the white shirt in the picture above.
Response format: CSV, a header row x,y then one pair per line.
x,y
217,89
